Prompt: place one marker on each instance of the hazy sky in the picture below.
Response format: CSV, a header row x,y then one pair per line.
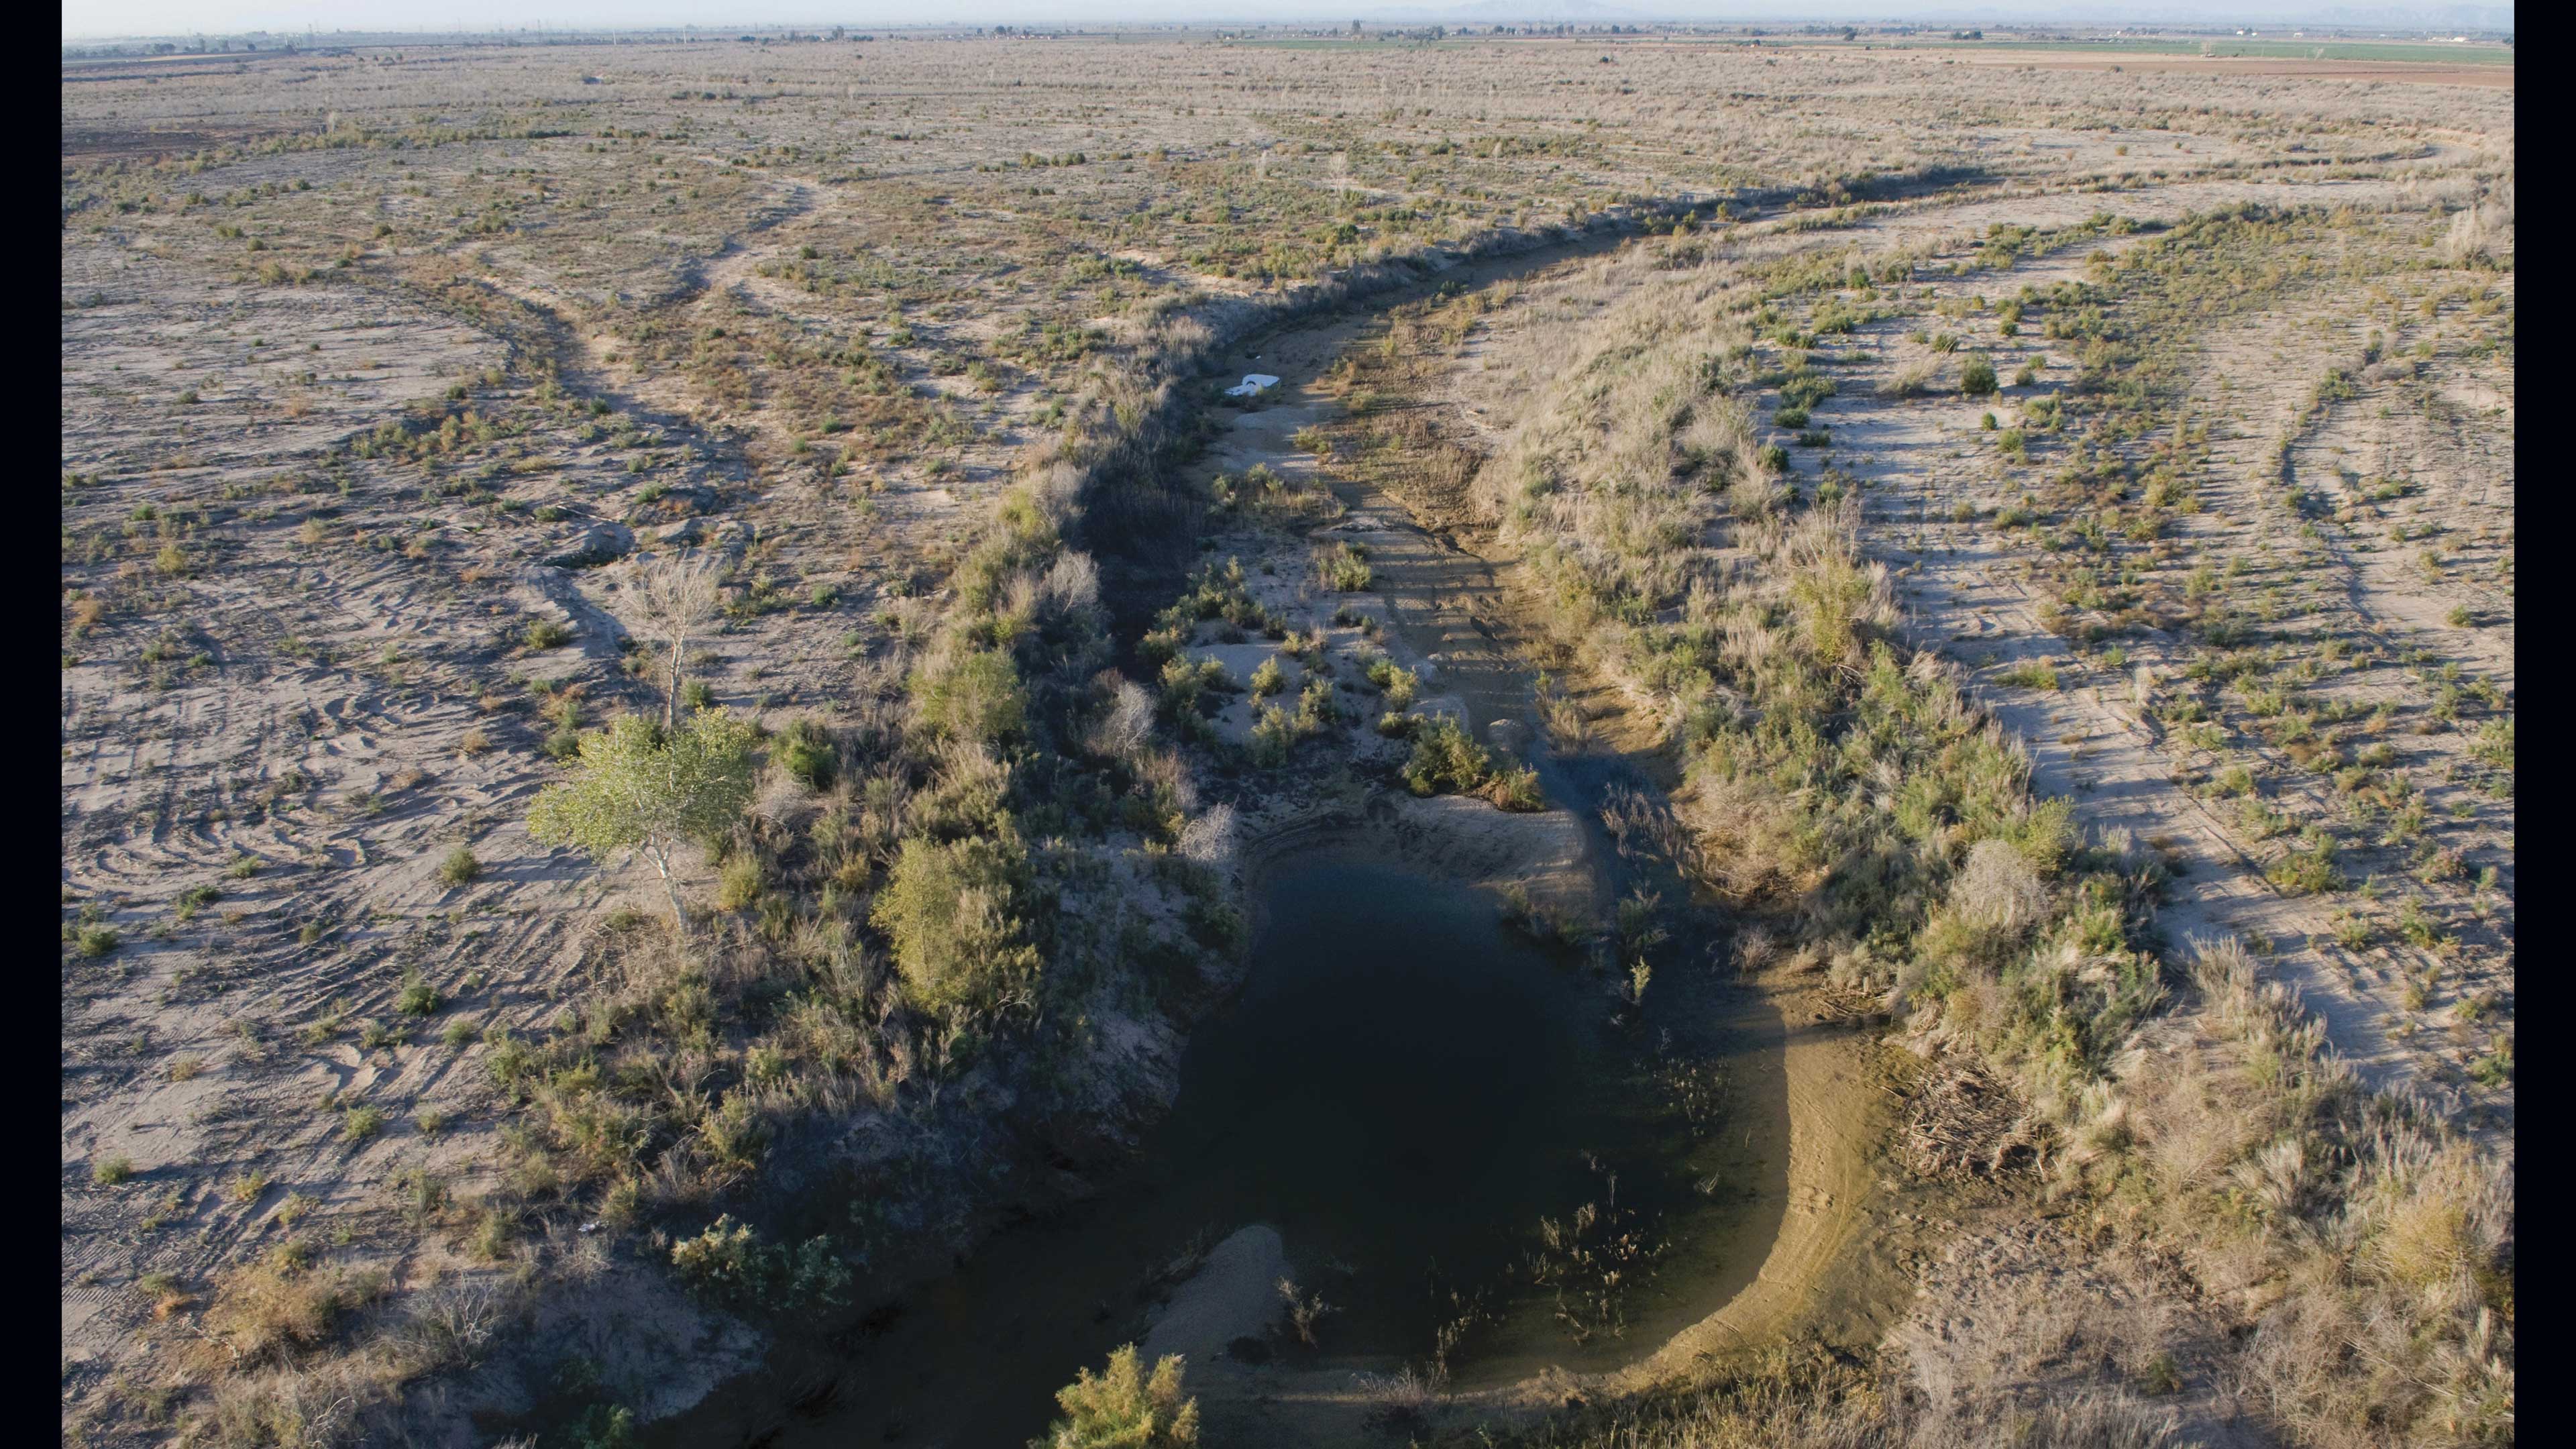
x,y
88,19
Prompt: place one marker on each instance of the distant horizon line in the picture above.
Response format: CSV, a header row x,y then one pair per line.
x,y
1408,17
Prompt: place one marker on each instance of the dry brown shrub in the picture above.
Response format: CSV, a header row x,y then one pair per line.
x,y
279,1305
1997,889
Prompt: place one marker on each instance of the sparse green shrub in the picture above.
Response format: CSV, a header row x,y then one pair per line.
x,y
603,1426
1316,709
728,1264
1274,737
971,695
954,913
2494,1070
2308,868
417,997
2420,929
1445,760
2493,745
460,867
1190,688
724,1263
1125,1408
1398,683
1515,789
739,884
807,754
1345,568
1805,387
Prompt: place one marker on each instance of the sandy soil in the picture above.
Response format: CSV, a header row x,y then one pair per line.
x,y
1964,584
1233,1295
2423,73
608,320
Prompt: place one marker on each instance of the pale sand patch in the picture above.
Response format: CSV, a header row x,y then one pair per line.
x,y
1834,1126
1233,1295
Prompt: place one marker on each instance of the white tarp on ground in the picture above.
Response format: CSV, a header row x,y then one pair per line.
x,y
1253,385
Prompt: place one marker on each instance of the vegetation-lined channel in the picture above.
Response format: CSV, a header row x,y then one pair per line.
x,y
1405,1090
1440,1140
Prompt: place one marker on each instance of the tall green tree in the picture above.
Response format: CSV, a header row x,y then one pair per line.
x,y
639,786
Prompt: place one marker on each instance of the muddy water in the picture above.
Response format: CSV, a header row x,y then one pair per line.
x,y
1403,1089
1706,1192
